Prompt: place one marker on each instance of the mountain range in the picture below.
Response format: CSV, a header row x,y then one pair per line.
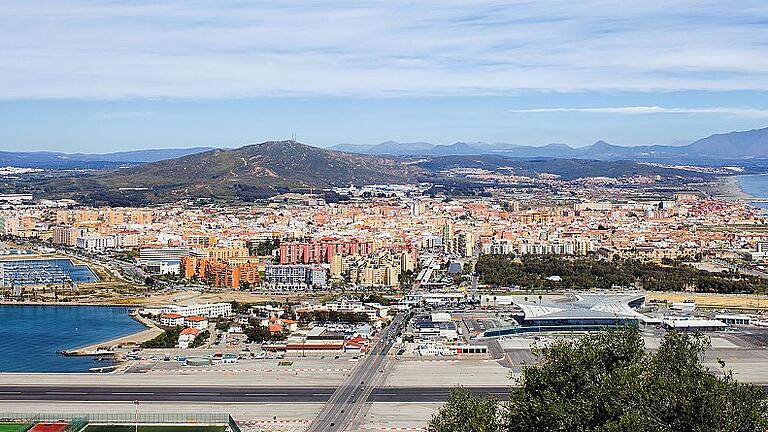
x,y
737,145
45,159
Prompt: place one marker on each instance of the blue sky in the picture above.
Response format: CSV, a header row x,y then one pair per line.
x,y
100,76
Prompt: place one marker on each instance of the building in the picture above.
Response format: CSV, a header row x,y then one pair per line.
x,y
734,320
694,325
295,277
67,236
323,250
162,254
210,310
187,336
232,273
96,243
196,321
588,312
170,319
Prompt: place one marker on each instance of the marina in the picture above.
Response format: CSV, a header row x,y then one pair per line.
x,y
44,271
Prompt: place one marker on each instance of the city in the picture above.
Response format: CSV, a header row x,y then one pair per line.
x,y
433,216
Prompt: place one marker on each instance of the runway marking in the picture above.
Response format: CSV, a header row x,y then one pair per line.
x,y
183,371
65,393
260,422
133,393
266,394
10,392
199,394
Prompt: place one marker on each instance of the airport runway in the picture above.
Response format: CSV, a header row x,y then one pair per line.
x,y
225,394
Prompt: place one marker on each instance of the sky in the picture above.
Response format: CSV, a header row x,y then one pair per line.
x,y
110,75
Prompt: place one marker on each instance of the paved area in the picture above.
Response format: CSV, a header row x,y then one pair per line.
x,y
393,416
469,372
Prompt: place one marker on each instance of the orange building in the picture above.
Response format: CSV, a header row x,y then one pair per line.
x,y
220,273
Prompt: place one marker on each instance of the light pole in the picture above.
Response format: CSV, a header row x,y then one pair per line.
x,y
136,402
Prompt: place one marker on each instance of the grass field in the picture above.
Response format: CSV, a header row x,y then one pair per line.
x,y
10,427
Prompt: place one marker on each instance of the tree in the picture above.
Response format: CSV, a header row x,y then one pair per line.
x,y
607,382
466,412
200,339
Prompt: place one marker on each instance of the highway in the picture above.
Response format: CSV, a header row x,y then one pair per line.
x,y
352,394
225,394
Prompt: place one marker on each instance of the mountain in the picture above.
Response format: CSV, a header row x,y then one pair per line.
x,y
747,144
245,173
720,147
91,160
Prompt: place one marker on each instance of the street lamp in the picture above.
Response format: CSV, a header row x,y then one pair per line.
x,y
136,402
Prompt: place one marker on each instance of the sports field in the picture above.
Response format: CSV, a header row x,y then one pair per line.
x,y
10,427
153,428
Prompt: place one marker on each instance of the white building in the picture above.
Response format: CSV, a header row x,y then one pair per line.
x,y
187,336
96,243
209,310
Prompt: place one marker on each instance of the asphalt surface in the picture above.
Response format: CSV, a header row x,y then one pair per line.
x,y
227,394
340,410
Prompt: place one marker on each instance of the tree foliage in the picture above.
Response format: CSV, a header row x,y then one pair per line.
x,y
167,339
532,271
200,339
466,412
607,382
334,317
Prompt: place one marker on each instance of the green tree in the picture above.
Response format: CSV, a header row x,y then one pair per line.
x,y
200,339
466,412
607,382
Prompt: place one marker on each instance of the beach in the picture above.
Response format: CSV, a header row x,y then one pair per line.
x,y
727,188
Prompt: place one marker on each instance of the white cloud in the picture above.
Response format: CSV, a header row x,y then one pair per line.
x,y
738,112
201,49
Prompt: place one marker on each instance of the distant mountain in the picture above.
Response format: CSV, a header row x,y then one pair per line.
x,y
747,144
729,146
87,160
245,173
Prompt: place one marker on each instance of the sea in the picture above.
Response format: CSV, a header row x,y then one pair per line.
x,y
755,185
32,337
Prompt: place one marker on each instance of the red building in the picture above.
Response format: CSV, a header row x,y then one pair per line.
x,y
323,250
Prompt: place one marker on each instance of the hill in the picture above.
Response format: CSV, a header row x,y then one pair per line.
x,y
246,173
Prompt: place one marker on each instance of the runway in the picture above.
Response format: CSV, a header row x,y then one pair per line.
x,y
225,394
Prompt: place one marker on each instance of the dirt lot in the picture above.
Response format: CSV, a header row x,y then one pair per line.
x,y
714,301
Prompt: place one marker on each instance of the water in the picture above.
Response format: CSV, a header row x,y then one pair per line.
x,y
755,185
44,271
32,336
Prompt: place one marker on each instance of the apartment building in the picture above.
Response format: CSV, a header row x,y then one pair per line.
x,y
219,273
295,277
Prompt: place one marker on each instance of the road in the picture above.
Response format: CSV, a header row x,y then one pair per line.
x,y
225,394
352,394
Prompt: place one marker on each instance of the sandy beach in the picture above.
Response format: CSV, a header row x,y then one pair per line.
x,y
726,188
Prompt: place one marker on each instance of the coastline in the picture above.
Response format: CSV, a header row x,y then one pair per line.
x,y
149,332
728,188
97,348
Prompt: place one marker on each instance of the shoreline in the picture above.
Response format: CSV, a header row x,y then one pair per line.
x,y
149,332
728,188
